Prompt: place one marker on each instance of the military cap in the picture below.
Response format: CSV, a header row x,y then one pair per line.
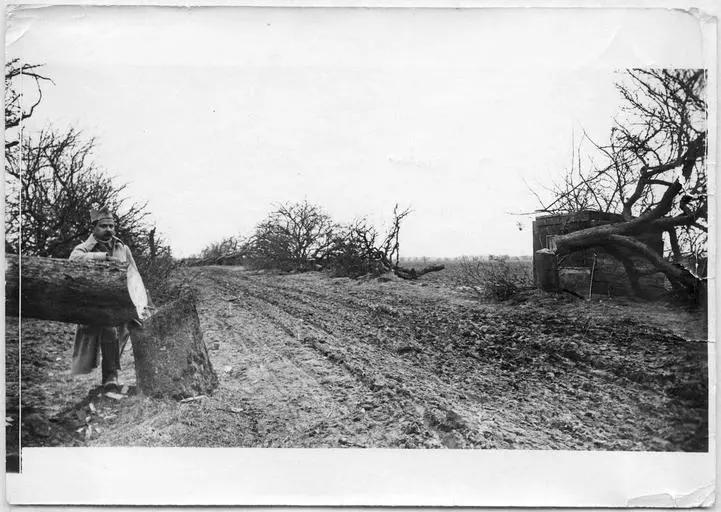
x,y
100,214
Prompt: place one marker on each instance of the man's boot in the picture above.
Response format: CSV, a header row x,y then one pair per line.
x,y
110,382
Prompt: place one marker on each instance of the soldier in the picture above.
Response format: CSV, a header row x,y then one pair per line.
x,y
102,245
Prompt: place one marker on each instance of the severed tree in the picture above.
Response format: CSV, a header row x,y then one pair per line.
x,y
171,359
51,183
361,249
653,173
389,252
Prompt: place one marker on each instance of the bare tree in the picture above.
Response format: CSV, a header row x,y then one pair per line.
x,y
294,236
361,249
18,107
654,174
56,182
391,243
355,250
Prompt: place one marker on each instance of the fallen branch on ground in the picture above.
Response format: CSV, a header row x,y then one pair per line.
x,y
412,273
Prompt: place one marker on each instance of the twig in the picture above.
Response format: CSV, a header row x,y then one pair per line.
x,y
192,399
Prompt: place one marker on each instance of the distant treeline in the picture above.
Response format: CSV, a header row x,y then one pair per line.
x,y
302,236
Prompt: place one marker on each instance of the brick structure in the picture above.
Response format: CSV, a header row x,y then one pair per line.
x,y
574,270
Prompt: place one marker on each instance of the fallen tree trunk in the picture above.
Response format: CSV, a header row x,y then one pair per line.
x,y
406,273
680,278
616,235
82,292
619,236
171,359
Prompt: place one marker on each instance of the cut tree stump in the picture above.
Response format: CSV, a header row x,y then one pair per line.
x,y
171,359
81,292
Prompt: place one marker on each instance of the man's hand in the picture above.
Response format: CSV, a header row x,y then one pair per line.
x,y
113,259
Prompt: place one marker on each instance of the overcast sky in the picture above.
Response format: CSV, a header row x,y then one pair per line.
x,y
215,115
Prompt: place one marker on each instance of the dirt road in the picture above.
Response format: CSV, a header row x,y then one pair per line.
x,y
305,360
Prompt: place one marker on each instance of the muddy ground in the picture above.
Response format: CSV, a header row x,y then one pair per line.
x,y
306,360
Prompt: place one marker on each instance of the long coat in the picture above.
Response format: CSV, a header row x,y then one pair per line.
x,y
88,337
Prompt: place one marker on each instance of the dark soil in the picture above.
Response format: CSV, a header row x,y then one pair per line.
x,y
305,360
